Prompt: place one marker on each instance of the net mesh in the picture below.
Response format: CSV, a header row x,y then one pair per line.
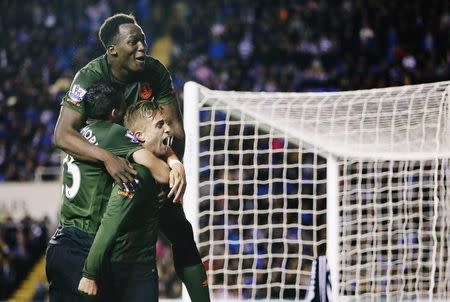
x,y
262,178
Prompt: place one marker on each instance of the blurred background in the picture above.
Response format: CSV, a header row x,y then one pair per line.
x,y
287,46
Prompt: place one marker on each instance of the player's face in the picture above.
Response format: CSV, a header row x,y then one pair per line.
x,y
131,47
156,135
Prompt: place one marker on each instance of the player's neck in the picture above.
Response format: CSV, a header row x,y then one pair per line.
x,y
119,73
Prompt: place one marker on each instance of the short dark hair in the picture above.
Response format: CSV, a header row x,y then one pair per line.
x,y
101,99
110,28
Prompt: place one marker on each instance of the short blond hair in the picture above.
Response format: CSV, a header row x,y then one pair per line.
x,y
139,112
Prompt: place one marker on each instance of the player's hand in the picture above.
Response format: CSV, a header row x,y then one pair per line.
x,y
121,171
87,286
177,182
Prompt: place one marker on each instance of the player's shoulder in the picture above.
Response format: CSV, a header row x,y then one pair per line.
x,y
96,65
155,65
106,129
110,135
117,130
93,71
122,134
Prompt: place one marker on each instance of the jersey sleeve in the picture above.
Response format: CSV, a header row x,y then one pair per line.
x,y
84,79
118,210
167,94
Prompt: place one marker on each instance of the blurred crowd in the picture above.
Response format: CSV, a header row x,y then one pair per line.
x,y
307,45
22,243
263,215
289,45
44,44
262,211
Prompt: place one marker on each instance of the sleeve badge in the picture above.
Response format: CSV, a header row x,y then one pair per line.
x,y
76,93
132,138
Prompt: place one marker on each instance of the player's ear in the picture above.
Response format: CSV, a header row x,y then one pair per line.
x,y
112,50
139,135
115,113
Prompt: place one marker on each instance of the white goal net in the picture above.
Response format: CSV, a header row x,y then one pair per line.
x,y
278,179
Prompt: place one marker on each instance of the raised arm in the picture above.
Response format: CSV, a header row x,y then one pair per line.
x,y
159,169
67,138
169,172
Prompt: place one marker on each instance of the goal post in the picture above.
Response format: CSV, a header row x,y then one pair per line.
x,y
191,159
333,220
275,180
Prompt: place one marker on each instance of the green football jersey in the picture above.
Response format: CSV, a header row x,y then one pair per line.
x,y
129,228
153,83
87,185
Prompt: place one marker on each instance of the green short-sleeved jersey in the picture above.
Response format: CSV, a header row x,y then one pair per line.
x,y
129,227
86,185
153,83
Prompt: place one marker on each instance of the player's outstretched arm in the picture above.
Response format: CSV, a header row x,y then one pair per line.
x,y
67,138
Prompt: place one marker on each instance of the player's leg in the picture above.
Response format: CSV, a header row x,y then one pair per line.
x,y
187,261
134,282
63,268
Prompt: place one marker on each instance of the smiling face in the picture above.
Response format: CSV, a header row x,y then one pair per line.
x,y
128,50
155,134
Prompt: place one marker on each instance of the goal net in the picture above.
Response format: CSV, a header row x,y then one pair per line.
x,y
277,179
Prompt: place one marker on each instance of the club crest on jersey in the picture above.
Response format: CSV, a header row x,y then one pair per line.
x,y
77,93
146,91
131,136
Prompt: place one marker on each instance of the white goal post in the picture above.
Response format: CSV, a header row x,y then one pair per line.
x,y
275,180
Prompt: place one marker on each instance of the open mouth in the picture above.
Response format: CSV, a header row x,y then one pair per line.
x,y
168,141
140,59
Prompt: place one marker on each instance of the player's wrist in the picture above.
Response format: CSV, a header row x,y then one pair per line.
x,y
104,155
173,162
88,276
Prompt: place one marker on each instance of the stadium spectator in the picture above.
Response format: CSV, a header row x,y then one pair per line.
x,y
22,243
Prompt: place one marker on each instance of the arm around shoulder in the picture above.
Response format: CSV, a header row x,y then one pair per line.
x,y
67,138
159,168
